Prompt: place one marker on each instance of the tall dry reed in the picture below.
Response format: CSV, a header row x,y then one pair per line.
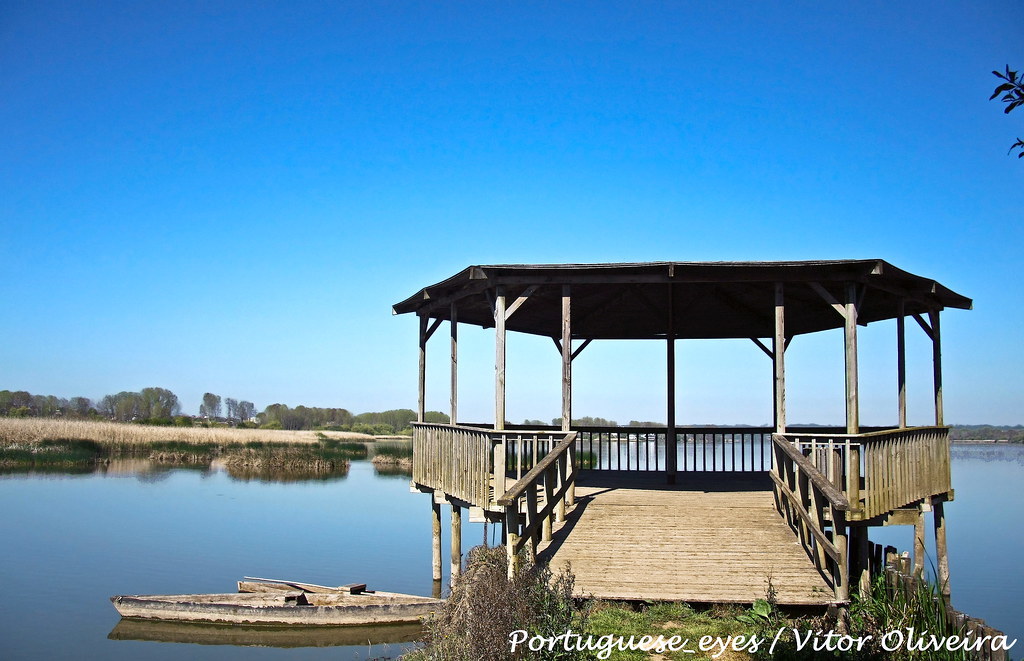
x,y
23,431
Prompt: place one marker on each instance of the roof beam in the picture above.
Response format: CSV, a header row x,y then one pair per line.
x,y
925,326
527,293
577,351
739,306
433,327
646,300
444,302
580,348
829,298
769,352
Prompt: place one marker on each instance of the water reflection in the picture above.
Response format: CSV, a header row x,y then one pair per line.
x,y
392,471
153,471
252,636
988,452
291,474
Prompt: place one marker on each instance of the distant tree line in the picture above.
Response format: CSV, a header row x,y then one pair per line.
x,y
21,404
395,421
236,411
161,406
1014,434
149,404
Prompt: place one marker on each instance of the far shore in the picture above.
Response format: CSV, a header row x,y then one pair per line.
x,y
35,430
1001,441
28,442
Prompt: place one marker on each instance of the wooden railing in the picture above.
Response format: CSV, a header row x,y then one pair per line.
x,y
883,470
903,466
697,448
539,499
636,448
457,461
816,510
473,464
523,448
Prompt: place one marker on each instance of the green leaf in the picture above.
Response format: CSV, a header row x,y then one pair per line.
x,y
762,608
999,90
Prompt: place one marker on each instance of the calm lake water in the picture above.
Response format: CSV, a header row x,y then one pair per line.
x,y
72,541
985,536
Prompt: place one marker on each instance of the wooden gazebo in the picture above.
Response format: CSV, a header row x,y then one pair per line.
x,y
830,485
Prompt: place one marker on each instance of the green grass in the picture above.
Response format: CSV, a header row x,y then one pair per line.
x,y
396,450
667,620
52,453
331,449
180,446
72,452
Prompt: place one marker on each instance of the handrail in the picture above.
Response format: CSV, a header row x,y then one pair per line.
x,y
553,478
517,489
488,430
836,497
881,471
455,461
866,436
804,495
680,428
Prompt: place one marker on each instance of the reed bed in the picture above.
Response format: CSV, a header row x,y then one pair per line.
x,y
396,450
29,431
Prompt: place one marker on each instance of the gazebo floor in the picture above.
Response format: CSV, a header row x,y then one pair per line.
x,y
711,538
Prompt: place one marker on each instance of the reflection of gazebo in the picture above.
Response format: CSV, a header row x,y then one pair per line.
x,y
827,482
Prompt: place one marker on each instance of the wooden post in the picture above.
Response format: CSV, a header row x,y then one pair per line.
x,y
511,527
570,474
500,464
436,521
919,543
941,554
901,362
566,358
562,472
422,387
455,365
499,359
456,541
531,524
933,316
549,498
670,431
842,574
567,381
779,359
850,337
858,555
863,560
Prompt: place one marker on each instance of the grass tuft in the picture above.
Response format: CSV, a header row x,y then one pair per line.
x,y
485,606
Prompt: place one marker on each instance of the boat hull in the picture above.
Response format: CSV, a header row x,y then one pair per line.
x,y
285,608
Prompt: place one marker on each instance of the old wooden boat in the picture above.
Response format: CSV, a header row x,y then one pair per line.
x,y
265,601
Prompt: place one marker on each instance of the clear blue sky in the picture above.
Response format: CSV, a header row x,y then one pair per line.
x,y
230,196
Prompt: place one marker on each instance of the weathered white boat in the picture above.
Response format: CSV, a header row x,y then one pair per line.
x,y
280,602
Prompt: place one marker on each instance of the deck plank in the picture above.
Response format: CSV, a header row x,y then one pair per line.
x,y
714,537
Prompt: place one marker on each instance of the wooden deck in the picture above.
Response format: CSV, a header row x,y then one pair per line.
x,y
714,537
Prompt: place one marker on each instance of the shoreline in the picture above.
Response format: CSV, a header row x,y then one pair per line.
x,y
1002,441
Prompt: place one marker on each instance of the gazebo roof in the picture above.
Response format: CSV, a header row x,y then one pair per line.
x,y
708,299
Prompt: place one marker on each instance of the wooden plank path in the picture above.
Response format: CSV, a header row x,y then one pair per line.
x,y
714,538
